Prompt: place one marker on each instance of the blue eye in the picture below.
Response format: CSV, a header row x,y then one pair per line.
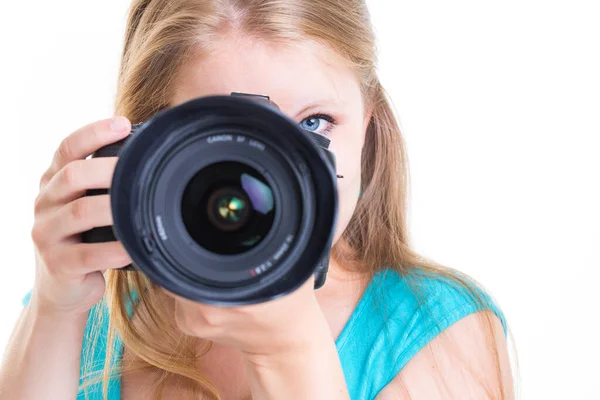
x,y
318,123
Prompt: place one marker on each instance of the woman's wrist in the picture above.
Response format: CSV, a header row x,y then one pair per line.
x,y
302,349
305,332
307,367
313,374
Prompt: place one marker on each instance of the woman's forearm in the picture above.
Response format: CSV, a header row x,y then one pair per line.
x,y
42,359
313,373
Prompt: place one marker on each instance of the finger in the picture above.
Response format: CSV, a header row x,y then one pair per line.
x,y
86,140
76,217
84,258
75,178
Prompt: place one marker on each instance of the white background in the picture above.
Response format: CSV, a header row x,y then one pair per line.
x,y
500,107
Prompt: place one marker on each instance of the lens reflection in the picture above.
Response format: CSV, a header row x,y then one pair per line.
x,y
228,208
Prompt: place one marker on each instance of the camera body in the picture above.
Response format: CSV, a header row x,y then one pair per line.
x,y
223,200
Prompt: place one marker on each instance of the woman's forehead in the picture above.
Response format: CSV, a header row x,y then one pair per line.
x,y
292,76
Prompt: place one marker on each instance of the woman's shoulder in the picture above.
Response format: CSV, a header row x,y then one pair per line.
x,y
397,316
431,298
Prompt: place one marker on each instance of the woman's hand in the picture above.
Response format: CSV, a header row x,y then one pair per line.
x,y
68,273
287,345
283,325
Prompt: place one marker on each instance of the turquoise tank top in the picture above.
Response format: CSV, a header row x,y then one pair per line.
x,y
389,325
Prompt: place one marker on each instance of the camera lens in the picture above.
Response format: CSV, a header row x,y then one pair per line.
x,y
228,208
224,201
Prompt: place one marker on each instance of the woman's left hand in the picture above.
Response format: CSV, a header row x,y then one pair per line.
x,y
286,324
287,345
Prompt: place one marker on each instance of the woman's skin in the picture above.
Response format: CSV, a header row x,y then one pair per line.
x,y
283,349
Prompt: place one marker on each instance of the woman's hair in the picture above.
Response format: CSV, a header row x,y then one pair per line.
x,y
162,35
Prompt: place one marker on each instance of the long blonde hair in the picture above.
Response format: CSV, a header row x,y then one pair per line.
x,y
161,35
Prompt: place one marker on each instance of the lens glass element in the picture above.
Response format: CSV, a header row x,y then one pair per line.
x,y
228,208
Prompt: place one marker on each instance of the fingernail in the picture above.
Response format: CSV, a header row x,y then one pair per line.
x,y
119,124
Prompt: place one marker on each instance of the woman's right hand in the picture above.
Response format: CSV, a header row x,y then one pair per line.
x,y
69,274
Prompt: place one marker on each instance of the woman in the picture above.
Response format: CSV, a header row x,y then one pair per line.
x,y
387,324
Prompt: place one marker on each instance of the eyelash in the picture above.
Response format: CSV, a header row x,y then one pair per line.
x,y
326,117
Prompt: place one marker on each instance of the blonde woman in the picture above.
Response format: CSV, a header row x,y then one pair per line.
x,y
387,324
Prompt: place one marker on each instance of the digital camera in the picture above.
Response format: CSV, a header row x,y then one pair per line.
x,y
223,200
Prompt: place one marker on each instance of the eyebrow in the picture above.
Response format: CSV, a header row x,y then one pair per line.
x,y
318,104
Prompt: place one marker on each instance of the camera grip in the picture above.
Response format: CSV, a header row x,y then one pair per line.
x,y
104,233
